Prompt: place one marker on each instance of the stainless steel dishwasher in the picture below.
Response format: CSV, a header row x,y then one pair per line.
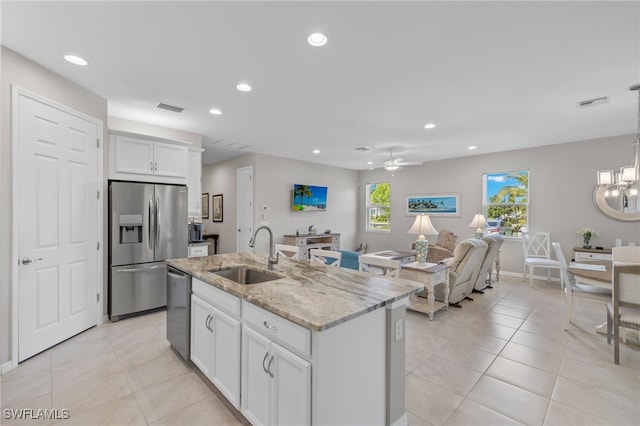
x,y
179,311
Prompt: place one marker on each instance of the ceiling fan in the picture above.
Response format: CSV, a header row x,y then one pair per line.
x,y
395,163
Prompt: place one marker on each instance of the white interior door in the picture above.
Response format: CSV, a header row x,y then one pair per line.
x,y
56,223
244,185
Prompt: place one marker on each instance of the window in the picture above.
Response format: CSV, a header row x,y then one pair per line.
x,y
506,202
378,207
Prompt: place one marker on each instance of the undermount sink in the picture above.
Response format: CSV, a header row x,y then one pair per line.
x,y
246,275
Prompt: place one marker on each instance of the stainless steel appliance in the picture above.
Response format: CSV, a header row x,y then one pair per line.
x,y
179,311
147,224
195,232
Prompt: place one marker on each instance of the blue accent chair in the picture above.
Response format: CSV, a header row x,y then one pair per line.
x,y
349,259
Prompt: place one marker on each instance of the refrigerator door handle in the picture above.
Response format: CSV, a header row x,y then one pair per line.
x,y
130,270
150,216
157,221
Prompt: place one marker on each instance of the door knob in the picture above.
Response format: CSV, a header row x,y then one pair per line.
x,y
28,260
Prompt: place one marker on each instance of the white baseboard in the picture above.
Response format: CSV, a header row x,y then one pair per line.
x,y
519,274
402,421
7,366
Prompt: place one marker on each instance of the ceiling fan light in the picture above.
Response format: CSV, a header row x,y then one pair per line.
x,y
391,166
628,174
606,177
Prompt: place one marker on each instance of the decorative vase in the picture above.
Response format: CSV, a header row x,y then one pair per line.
x,y
587,242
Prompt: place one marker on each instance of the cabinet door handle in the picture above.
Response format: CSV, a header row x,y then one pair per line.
x,y
151,165
269,367
155,166
269,326
207,322
263,361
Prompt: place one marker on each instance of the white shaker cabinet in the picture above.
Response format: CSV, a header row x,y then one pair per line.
x,y
194,182
276,383
215,347
132,157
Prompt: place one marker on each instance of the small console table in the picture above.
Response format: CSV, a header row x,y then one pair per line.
x,y
307,242
431,275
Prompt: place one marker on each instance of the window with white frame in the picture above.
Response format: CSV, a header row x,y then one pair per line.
x,y
506,202
378,199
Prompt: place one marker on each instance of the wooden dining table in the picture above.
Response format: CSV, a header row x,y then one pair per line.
x,y
601,279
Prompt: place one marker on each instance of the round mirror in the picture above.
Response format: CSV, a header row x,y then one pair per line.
x,y
617,203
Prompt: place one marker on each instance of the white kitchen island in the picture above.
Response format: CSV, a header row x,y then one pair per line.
x,y
317,345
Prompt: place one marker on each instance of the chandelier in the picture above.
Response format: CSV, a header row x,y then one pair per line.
x,y
624,181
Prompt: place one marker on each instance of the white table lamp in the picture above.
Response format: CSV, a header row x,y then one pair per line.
x,y
478,222
421,226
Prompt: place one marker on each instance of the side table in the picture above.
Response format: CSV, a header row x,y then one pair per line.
x,y
431,275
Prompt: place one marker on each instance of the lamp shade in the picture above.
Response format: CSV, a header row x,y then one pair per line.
x,y
421,226
478,221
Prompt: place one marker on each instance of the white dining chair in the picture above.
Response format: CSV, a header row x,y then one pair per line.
x,y
566,282
624,308
326,257
288,251
537,254
379,265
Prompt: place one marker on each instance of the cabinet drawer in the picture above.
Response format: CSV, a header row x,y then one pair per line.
x,y
594,256
222,300
288,334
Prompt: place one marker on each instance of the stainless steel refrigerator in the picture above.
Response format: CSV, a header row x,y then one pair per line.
x,y
147,224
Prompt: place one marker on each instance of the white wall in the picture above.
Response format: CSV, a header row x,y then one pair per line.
x,y
562,180
273,182
20,71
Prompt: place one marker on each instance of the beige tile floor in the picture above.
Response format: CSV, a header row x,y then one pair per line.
x,y
501,359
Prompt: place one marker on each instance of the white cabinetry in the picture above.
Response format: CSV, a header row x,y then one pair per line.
x,y
194,183
215,338
145,159
276,383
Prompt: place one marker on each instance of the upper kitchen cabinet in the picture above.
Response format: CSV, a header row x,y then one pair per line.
x,y
148,160
194,182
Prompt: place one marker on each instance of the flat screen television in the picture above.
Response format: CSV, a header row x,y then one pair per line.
x,y
309,198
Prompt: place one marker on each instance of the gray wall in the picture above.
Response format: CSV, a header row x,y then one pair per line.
x,y
221,179
30,76
273,182
562,180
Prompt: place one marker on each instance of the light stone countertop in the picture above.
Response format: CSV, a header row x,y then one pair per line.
x,y
312,295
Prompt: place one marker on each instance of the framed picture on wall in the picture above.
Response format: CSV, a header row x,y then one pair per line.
x,y
205,205
216,205
434,204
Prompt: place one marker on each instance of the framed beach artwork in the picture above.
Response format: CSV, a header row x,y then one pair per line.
x,y
309,198
434,205
216,207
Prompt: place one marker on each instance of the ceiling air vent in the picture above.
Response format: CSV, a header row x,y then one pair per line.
x,y
593,102
168,107
363,149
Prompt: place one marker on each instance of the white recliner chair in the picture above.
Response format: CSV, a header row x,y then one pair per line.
x,y
494,242
464,267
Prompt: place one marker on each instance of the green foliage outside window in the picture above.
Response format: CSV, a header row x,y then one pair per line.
x,y
379,206
507,200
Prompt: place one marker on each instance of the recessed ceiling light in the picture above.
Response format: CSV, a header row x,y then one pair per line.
x,y
76,60
215,111
369,162
244,87
429,126
317,39
472,147
316,151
